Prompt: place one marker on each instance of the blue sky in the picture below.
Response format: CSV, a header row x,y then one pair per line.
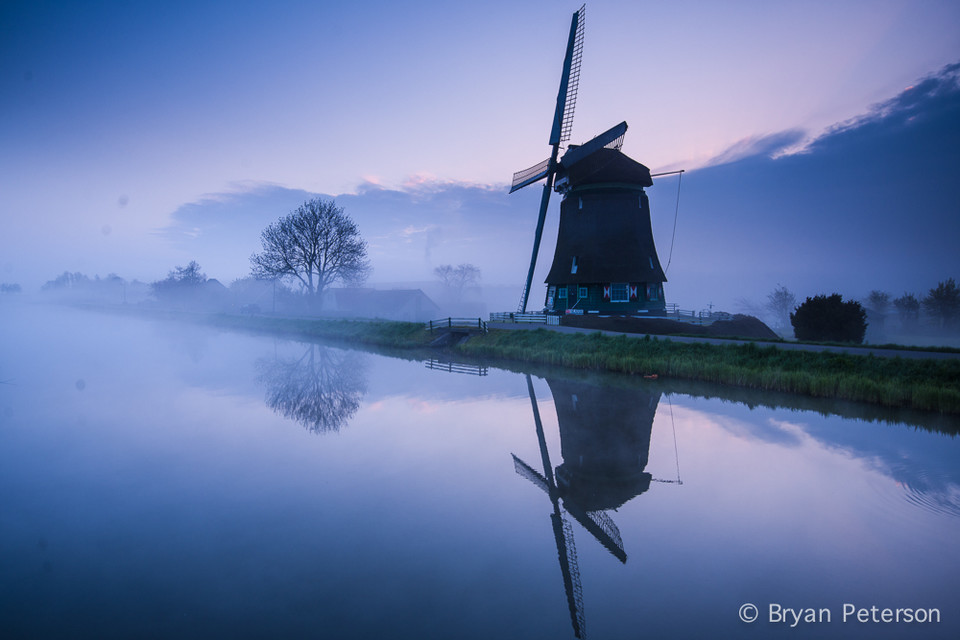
x,y
135,136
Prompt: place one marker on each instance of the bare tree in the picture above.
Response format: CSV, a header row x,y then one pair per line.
x,y
909,309
321,390
878,301
781,303
877,304
943,302
316,245
457,279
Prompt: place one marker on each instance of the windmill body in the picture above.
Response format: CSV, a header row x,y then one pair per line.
x,y
604,442
605,260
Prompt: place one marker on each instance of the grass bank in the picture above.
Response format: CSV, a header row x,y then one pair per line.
x,y
380,333
918,384
926,385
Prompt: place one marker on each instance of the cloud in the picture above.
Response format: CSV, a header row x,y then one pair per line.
x,y
870,204
926,99
410,229
770,145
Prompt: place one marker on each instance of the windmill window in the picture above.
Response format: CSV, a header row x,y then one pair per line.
x,y
650,258
652,291
618,292
562,292
573,265
581,202
582,292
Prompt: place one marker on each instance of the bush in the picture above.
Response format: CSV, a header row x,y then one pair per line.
x,y
829,319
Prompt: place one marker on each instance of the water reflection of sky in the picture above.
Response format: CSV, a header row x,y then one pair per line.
x,y
164,492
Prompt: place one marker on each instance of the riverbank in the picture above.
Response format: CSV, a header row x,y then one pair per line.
x,y
916,383
921,384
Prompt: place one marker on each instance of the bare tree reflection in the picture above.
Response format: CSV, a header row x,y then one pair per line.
x,y
321,389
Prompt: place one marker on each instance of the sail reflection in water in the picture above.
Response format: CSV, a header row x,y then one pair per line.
x,y
605,445
321,389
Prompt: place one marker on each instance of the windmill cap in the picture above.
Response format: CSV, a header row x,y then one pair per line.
x,y
604,166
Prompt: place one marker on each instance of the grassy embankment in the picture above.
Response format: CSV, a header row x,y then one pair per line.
x,y
920,384
380,333
926,385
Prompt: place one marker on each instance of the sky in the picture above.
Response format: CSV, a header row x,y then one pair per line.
x,y
819,138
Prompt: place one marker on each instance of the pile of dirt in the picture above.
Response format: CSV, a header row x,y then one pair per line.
x,y
740,326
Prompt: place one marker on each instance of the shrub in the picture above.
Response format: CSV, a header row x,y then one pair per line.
x,y
829,319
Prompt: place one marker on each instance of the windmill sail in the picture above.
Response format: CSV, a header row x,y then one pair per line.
x,y
562,122
612,138
602,527
529,176
531,474
567,554
569,81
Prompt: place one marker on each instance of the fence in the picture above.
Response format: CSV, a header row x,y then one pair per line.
x,y
456,367
696,317
468,324
529,318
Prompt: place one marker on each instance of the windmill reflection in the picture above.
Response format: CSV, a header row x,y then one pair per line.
x,y
321,389
605,444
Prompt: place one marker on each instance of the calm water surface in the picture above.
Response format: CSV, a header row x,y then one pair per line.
x,y
163,480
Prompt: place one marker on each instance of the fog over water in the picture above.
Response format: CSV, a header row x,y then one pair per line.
x,y
169,478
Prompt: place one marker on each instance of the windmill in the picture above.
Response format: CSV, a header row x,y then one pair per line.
x,y
605,260
605,438
597,523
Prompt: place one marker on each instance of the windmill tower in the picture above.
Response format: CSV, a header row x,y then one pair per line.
x,y
605,260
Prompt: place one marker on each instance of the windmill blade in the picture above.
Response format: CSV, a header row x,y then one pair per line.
x,y
567,554
600,529
612,138
538,171
605,522
569,80
531,474
538,234
562,122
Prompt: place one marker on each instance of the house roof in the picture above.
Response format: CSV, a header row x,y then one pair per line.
x,y
373,301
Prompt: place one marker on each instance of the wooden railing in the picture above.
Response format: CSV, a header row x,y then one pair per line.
x,y
706,316
456,367
531,318
468,324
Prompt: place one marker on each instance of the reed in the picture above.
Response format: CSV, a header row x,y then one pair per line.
x,y
928,385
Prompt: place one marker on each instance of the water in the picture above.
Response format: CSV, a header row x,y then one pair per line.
x,y
166,480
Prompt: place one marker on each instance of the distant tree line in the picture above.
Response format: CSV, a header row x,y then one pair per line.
x,y
830,318
941,306
78,287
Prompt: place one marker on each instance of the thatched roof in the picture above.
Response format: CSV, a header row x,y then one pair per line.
x,y
610,237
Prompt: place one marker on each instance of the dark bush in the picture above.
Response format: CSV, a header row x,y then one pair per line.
x,y
829,319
